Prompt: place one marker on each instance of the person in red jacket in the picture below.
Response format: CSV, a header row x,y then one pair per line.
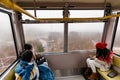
x,y
101,60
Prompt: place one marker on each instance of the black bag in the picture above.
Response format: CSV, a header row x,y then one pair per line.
x,y
41,60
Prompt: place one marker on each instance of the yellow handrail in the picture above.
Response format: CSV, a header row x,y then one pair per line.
x,y
15,7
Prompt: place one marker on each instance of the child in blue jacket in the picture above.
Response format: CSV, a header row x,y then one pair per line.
x,y
26,69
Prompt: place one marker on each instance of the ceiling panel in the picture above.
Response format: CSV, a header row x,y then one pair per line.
x,y
59,3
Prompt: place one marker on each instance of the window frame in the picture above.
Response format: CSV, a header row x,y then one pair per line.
x,y
10,15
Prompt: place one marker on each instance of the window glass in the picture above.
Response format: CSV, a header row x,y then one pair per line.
x,y
116,46
45,37
84,35
86,13
7,47
24,17
44,14
49,13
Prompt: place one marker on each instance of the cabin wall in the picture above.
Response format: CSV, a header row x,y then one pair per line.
x,y
66,64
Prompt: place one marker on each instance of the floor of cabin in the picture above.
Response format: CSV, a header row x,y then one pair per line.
x,y
76,77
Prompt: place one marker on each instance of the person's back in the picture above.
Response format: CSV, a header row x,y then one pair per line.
x,y
25,69
45,72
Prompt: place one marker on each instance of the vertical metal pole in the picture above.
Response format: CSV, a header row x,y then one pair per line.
x,y
107,12
65,37
114,32
20,29
35,8
66,14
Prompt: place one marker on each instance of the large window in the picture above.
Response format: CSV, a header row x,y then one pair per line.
x,y
45,37
49,37
82,36
7,48
116,46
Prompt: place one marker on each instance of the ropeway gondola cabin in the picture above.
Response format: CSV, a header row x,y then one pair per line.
x,y
63,31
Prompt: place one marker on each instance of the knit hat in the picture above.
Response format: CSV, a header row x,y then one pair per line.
x,y
27,46
27,55
101,45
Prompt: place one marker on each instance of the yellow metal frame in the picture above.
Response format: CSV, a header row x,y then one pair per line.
x,y
15,7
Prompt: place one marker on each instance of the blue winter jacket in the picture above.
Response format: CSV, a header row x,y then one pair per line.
x,y
45,72
24,70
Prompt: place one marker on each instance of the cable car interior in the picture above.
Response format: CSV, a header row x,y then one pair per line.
x,y
63,31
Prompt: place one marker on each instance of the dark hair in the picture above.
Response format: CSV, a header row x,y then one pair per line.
x,y
102,52
27,46
27,55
